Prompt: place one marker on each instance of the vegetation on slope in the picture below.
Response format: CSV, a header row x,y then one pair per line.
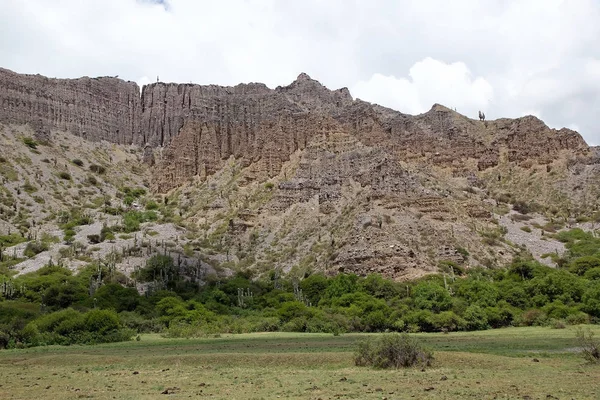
x,y
51,305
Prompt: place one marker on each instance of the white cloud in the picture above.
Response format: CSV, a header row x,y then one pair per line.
x,y
504,56
430,81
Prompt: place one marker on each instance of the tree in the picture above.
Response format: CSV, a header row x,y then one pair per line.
x,y
479,292
581,265
431,296
314,287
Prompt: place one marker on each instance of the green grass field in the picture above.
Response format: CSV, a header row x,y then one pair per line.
x,y
514,363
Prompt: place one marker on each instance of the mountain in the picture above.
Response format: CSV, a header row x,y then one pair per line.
x,y
294,179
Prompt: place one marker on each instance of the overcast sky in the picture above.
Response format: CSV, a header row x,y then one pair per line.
x,y
507,58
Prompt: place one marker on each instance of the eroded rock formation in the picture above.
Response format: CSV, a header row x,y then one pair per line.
x,y
199,127
94,108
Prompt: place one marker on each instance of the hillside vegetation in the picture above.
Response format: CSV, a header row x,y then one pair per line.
x,y
54,306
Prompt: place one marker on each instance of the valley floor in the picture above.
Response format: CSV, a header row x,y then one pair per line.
x,y
513,363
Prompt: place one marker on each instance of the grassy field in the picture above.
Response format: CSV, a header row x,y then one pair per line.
x,y
515,363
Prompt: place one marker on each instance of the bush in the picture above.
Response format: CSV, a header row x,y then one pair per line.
x,y
102,321
533,317
98,169
151,205
590,347
133,219
29,142
78,162
157,266
35,248
392,351
64,175
476,318
521,207
92,180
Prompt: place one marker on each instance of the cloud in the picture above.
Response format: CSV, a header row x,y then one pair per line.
x,y
504,56
430,81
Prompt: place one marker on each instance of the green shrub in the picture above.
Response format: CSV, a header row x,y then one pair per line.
x,y
92,180
29,188
156,266
151,205
581,265
34,248
521,207
448,321
30,142
102,321
11,240
392,351
476,318
592,274
97,169
133,219
431,296
64,175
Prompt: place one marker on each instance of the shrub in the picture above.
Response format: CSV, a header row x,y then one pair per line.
x,y
102,321
29,142
520,217
34,248
151,205
392,351
98,169
133,219
94,239
431,296
522,207
532,317
581,265
78,162
92,180
11,240
64,175
157,266
590,347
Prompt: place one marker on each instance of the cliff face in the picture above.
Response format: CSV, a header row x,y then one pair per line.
x,y
202,126
92,108
199,127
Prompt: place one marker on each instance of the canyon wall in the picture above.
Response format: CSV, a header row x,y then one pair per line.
x,y
199,127
94,108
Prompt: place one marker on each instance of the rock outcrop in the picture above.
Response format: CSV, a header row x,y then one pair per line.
x,y
199,127
93,108
202,126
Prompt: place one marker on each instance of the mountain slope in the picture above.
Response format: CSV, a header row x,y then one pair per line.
x,y
295,179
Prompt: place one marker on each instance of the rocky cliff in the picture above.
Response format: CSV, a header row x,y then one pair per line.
x,y
198,127
93,108
202,126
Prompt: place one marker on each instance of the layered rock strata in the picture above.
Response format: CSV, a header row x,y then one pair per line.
x,y
199,127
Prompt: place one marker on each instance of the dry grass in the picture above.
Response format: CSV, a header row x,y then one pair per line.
x,y
486,365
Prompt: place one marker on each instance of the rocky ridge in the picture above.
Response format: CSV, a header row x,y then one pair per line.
x,y
198,127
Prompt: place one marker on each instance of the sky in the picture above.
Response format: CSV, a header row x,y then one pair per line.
x,y
506,58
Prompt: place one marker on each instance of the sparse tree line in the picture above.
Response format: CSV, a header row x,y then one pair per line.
x,y
53,306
